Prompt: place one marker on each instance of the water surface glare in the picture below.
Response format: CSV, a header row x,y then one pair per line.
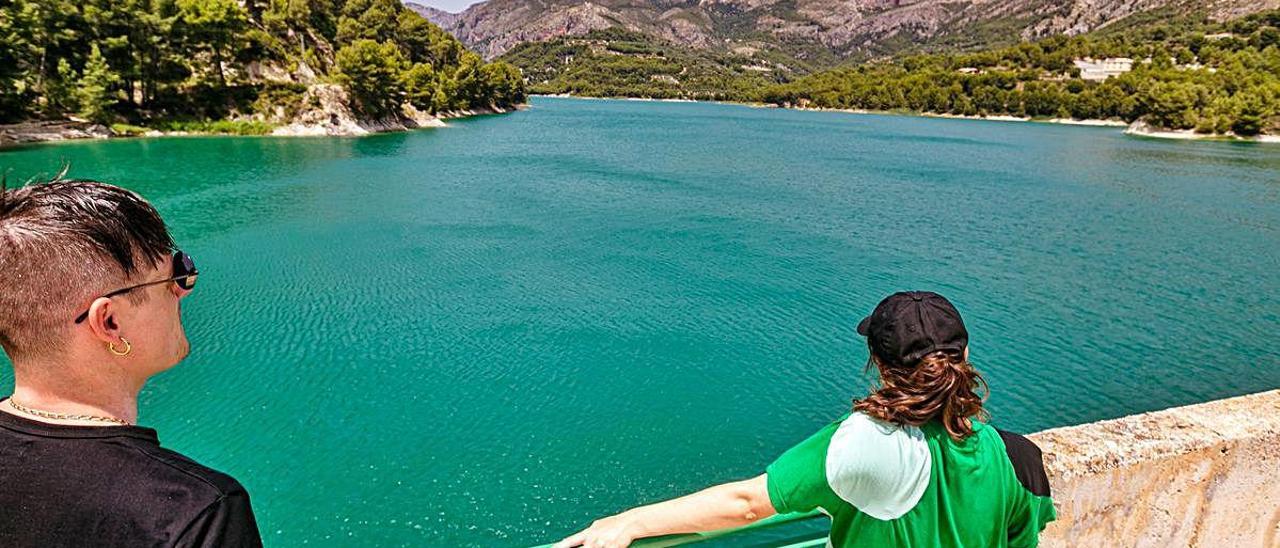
x,y
491,333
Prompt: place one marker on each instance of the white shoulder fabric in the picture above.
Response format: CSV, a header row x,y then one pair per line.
x,y
880,468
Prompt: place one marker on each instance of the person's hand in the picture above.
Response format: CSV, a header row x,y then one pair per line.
x,y
611,532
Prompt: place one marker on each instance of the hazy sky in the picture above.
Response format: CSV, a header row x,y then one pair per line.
x,y
447,5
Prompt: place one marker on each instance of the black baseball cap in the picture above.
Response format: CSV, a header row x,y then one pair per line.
x,y
909,325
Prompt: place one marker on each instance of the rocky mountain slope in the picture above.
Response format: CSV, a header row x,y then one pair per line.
x,y
808,29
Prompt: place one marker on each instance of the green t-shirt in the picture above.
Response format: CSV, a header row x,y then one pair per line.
x,y
890,485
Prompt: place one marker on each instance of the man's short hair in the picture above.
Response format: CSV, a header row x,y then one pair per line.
x,y
62,243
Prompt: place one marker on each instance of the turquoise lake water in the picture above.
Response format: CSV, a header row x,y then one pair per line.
x,y
491,333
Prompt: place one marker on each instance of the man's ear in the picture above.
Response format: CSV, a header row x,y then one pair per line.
x,y
966,352
103,320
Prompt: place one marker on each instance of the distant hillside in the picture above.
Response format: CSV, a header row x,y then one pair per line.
x,y
619,63
1188,73
811,31
1211,78
435,15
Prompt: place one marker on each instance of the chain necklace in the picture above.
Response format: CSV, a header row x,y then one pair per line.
x,y
64,416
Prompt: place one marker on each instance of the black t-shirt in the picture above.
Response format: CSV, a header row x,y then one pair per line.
x,y
112,486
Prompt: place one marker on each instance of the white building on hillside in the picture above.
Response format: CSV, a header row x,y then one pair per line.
x,y
1101,69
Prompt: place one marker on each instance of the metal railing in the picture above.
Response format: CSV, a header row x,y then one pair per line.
x,y
771,522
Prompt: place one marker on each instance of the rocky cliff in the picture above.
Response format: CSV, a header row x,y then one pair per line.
x,y
845,27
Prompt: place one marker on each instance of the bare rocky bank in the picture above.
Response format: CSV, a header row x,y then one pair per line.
x,y
1142,129
1139,128
326,111
58,130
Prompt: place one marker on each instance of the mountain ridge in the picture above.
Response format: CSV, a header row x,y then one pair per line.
x,y
1172,76
810,29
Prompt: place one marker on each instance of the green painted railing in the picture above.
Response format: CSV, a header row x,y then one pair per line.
x,y
767,523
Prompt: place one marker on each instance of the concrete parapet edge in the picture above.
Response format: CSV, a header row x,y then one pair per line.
x,y
1201,475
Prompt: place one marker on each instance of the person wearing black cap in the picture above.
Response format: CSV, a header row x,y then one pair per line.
x,y
913,463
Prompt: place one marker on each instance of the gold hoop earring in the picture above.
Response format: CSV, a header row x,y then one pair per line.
x,y
127,347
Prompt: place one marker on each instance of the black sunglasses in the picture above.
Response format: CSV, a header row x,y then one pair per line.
x,y
184,274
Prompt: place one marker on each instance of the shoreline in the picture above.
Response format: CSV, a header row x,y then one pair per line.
x,y
33,132
1092,122
1139,129
412,119
50,131
44,131
994,118
1136,129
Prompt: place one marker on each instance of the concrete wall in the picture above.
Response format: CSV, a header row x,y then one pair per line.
x,y
1202,475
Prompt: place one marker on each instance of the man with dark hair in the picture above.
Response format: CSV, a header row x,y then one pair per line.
x,y
90,284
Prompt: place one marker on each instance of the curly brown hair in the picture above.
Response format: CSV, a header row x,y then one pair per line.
x,y
942,385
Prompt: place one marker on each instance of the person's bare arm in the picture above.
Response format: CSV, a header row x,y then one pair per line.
x,y
727,505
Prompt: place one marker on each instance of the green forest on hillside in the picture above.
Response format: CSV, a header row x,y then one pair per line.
x,y
1213,78
184,63
620,63
1189,73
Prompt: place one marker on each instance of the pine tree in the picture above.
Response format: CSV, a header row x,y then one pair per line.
x,y
61,94
420,86
216,25
371,72
95,94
